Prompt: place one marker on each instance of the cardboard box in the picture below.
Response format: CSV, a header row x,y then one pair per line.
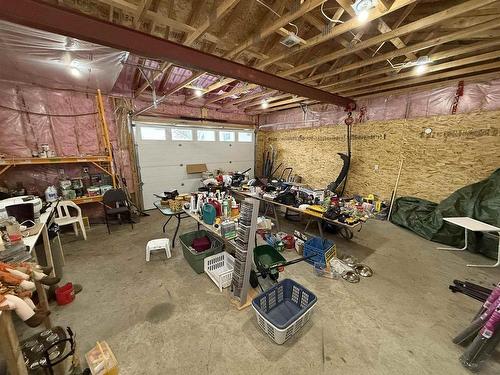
x,y
196,168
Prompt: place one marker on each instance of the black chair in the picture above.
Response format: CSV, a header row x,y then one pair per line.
x,y
115,203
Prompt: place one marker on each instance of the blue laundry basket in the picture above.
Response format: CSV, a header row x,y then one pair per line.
x,y
283,309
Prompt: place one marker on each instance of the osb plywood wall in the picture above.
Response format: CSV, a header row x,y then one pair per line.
x,y
461,149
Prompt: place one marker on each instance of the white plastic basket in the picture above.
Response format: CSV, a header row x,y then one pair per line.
x,y
283,309
281,335
219,268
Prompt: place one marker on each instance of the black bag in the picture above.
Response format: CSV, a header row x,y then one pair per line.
x,y
332,213
287,198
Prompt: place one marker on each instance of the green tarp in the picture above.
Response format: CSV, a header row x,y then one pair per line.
x,y
480,201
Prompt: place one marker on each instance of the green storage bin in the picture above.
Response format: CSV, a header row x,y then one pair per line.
x,y
194,258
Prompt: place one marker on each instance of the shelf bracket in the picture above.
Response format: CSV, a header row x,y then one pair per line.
x,y
102,169
4,169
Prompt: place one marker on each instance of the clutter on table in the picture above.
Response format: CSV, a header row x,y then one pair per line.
x,y
17,283
173,200
319,202
219,179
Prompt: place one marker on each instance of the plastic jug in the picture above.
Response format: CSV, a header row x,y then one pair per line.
x,y
209,214
51,194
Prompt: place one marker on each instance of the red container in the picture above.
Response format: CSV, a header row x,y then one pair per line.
x,y
65,294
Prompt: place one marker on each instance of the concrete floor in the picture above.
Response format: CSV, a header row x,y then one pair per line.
x,y
162,318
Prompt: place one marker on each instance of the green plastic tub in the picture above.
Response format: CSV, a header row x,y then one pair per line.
x,y
194,258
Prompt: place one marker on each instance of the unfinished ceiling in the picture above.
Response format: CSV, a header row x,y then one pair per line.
x,y
403,44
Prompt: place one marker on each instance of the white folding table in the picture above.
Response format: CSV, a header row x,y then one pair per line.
x,y
476,226
31,240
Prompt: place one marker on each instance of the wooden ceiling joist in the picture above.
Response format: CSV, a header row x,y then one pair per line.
x,y
259,102
411,74
430,86
280,108
345,27
462,34
453,52
403,30
432,77
247,98
305,7
234,91
382,27
220,11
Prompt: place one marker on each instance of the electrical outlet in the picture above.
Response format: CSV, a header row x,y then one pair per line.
x,y
375,167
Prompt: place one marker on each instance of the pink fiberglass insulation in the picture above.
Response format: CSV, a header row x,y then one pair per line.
x,y
476,97
65,120
175,109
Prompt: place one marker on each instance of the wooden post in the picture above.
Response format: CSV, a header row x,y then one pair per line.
x,y
105,133
9,345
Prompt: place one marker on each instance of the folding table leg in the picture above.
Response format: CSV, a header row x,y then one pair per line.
x,y
276,217
454,248
320,227
490,265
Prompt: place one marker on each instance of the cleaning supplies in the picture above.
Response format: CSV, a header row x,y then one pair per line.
x,y
51,193
209,214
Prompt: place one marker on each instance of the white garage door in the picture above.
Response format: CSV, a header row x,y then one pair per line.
x,y
164,150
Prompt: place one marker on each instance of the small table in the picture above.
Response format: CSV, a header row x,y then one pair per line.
x,y
179,215
476,226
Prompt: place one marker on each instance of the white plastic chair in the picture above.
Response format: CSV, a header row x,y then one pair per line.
x,y
159,244
64,217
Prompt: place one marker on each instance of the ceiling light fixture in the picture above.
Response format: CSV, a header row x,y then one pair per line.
x,y
362,8
420,69
422,64
198,93
74,69
264,104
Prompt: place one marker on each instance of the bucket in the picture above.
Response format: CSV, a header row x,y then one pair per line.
x,y
65,294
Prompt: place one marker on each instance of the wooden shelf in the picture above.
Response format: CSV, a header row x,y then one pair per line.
x,y
83,200
57,160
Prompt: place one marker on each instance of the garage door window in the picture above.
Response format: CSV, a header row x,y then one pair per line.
x,y
152,133
226,136
244,137
205,135
182,135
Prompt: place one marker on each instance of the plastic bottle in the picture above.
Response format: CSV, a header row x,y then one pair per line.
x,y
51,193
225,209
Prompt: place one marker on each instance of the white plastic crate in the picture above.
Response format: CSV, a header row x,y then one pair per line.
x,y
219,268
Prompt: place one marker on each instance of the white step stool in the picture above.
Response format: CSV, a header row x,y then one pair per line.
x,y
159,244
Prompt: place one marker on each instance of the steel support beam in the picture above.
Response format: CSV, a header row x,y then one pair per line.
x,y
47,17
